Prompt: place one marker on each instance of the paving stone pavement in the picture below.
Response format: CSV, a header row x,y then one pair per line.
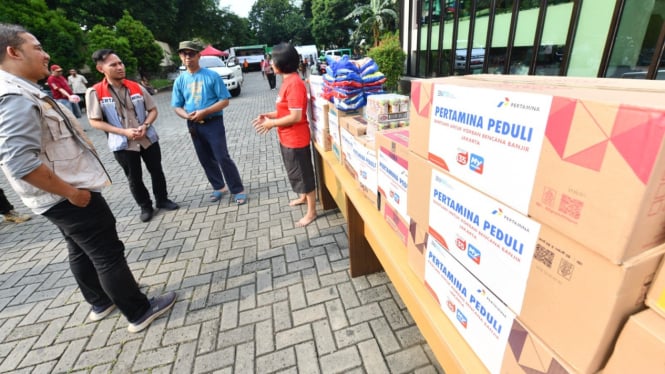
x,y
255,293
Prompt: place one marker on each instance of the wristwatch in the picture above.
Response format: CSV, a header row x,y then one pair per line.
x,y
147,124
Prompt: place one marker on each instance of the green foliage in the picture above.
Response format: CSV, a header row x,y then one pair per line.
x,y
374,18
329,26
61,38
101,37
142,43
390,57
275,21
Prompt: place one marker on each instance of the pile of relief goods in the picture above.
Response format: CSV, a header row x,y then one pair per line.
x,y
347,82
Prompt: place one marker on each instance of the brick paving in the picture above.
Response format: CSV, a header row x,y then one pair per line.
x,y
255,293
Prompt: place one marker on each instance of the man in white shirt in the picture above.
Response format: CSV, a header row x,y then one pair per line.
x,y
78,84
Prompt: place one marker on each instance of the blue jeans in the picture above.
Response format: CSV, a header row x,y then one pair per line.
x,y
209,140
130,161
97,256
74,108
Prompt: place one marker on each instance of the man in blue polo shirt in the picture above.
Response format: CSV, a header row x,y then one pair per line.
x,y
200,96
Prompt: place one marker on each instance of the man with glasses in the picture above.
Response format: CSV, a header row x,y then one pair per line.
x,y
56,171
200,96
125,111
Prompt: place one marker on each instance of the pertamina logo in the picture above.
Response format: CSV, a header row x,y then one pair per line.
x,y
504,103
451,306
394,196
461,318
477,163
460,243
473,253
463,158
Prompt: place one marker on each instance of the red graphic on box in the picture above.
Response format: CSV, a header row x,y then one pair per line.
x,y
581,133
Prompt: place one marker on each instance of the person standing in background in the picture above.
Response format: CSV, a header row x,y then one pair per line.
x,y
270,73
262,65
56,171
61,91
199,95
78,84
245,66
290,119
8,212
125,111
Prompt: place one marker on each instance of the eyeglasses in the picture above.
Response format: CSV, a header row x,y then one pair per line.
x,y
189,53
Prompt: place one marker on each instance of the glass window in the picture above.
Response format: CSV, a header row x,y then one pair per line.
x,y
636,39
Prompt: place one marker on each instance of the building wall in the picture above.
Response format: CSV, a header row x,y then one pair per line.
x,y
609,38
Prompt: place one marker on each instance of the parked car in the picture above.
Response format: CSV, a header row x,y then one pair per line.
x,y
477,58
231,73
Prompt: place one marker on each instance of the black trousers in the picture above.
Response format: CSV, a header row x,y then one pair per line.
x,y
130,162
5,205
272,80
97,256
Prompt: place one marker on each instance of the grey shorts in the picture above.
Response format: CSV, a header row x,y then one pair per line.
x,y
299,168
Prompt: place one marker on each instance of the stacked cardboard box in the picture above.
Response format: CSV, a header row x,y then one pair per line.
x,y
318,123
317,114
392,148
485,154
656,296
386,111
588,162
641,344
334,117
640,347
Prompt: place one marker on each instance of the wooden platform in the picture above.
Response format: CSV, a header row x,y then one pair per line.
x,y
373,247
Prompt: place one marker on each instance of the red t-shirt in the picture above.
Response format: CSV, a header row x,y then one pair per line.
x,y
293,95
58,82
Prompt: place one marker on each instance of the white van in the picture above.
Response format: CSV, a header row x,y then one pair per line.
x,y
337,52
477,58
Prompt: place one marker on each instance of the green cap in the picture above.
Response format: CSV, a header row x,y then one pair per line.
x,y
190,44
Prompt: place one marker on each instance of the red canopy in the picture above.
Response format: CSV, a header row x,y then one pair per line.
x,y
212,51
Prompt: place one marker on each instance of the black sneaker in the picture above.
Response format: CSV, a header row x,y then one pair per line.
x,y
97,313
167,204
146,214
158,306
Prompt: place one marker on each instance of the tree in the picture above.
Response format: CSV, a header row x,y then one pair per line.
x,y
101,37
275,21
142,44
378,15
329,28
61,38
390,57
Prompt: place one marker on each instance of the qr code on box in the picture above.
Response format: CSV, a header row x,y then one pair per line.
x,y
544,255
571,206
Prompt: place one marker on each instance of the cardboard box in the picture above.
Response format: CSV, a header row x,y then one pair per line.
x,y
373,127
392,148
656,296
315,83
492,241
589,163
349,157
574,300
640,347
333,129
318,123
356,125
387,107
500,340
365,153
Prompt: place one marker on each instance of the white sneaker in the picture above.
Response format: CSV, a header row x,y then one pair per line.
x,y
16,217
